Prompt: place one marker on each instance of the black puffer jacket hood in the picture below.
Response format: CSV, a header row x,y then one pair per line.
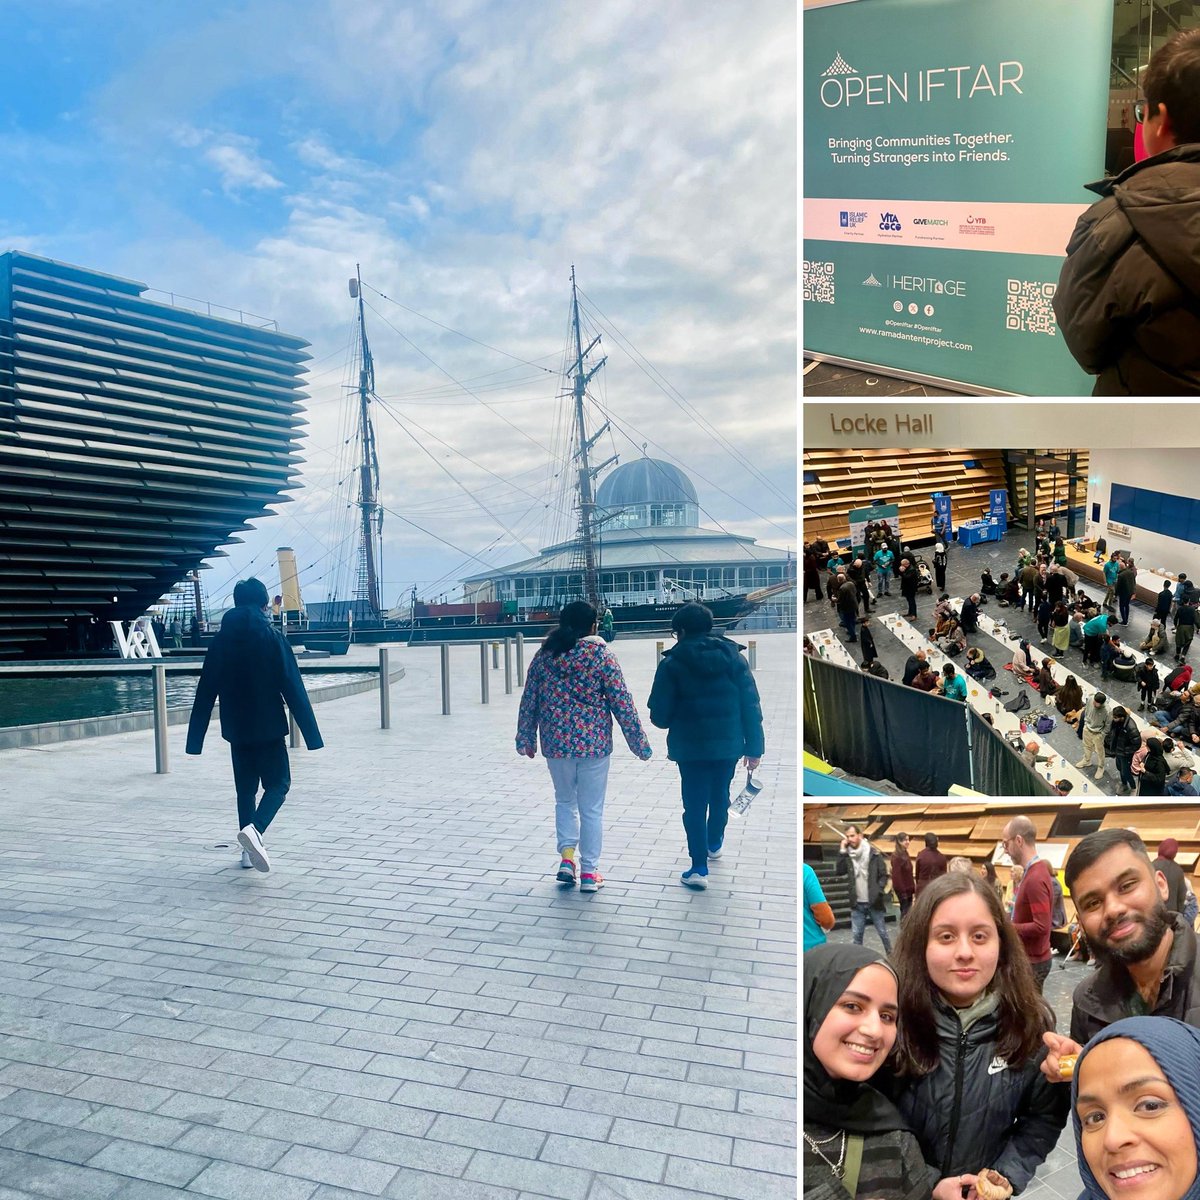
x,y
707,700
974,1110
1128,297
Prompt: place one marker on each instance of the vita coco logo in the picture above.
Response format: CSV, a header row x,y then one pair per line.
x,y
889,222
842,86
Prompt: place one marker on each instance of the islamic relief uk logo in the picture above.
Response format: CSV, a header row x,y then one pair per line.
x,y
850,220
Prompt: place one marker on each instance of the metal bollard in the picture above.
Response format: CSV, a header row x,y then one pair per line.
x,y
495,656
385,691
753,655
520,660
484,690
508,666
161,765
293,731
445,680
658,652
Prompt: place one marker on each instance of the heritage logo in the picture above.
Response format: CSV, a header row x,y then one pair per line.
x,y
848,220
871,281
889,222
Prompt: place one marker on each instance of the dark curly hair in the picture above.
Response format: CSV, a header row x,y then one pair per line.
x,y
1023,1015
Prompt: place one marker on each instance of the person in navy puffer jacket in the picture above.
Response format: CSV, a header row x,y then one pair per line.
x,y
252,670
707,700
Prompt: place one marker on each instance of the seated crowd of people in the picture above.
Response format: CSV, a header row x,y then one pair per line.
x,y
1157,760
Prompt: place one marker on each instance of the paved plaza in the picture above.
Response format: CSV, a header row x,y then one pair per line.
x,y
408,1005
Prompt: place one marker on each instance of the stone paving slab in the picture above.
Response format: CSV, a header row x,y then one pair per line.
x,y
408,1005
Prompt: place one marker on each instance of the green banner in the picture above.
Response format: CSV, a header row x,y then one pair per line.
x,y
943,174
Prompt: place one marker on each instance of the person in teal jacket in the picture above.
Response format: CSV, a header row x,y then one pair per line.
x,y
1112,569
884,559
1094,633
818,916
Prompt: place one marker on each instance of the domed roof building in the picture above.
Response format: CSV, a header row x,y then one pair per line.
x,y
650,548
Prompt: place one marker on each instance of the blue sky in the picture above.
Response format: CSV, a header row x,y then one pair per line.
x,y
466,153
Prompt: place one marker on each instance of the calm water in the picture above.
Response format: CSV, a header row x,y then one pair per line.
x,y
58,698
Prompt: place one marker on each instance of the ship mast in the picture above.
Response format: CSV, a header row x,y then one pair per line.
x,y
587,502
371,511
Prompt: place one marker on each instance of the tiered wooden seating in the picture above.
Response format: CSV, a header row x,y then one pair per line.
x,y
849,479
1048,490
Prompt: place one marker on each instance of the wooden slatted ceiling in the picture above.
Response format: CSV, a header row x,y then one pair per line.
x,y
1154,824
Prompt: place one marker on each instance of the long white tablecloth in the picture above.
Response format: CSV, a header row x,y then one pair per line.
x,y
1004,722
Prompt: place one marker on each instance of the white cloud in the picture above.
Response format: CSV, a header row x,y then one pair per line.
x,y
466,154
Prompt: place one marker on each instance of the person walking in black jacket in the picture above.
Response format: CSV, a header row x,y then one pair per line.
x,y
251,668
706,699
1124,740
866,640
910,580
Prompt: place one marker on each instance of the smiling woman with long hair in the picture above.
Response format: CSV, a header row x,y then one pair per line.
x,y
856,1143
971,1025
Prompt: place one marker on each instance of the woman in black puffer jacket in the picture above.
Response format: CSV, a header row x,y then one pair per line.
x,y
971,1025
706,699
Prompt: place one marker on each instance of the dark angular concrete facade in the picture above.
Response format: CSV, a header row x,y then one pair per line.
x,y
135,438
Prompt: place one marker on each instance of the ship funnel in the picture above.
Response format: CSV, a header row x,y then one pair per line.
x,y
289,579
354,289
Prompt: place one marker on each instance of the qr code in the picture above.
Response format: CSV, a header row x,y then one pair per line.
x,y
1029,307
818,282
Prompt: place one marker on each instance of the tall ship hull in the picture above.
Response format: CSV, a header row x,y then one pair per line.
x,y
637,553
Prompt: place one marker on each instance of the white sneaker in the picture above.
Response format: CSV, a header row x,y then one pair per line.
x,y
246,859
1082,765
1099,773
251,843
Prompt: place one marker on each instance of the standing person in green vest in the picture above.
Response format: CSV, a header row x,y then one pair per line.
x,y
606,625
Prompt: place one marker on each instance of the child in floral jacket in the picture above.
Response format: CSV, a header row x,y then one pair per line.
x,y
573,689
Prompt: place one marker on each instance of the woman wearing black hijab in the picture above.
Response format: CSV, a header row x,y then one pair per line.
x,y
855,1141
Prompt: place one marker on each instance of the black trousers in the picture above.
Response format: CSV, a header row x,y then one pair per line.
x,y
1041,971
705,788
255,762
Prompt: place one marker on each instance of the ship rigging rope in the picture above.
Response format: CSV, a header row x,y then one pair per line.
x,y
624,429
439,367
448,473
457,332
676,396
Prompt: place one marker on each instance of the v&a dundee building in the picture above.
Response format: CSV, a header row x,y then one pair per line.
x,y
651,548
136,437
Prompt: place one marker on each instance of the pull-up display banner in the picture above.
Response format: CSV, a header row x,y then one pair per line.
x,y
946,148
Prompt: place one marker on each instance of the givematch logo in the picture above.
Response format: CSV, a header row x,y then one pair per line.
x,y
871,281
929,221
889,222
